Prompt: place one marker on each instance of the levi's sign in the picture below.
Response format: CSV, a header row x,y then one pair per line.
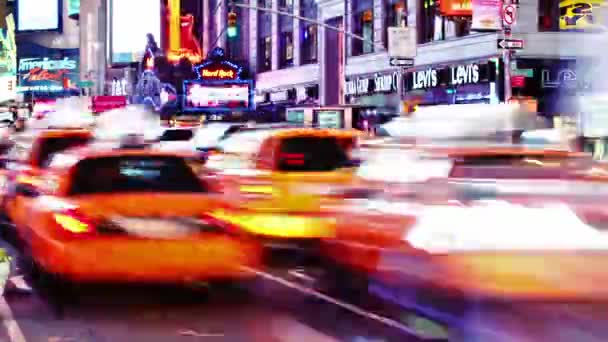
x,y
464,74
457,75
424,79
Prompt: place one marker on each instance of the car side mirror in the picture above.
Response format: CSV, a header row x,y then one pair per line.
x,y
26,190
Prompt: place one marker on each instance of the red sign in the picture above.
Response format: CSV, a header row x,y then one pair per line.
x,y
456,8
223,74
518,81
40,74
105,103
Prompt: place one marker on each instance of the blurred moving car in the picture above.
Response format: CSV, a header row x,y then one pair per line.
x,y
96,201
29,158
177,139
209,137
275,179
185,121
463,235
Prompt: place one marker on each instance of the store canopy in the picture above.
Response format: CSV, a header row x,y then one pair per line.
x,y
462,121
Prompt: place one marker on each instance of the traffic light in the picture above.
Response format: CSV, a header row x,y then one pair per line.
x,y
232,30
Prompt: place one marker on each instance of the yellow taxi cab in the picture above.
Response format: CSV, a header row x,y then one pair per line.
x,y
113,212
275,179
28,160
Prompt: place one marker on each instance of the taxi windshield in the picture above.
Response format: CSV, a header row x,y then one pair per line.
x,y
120,174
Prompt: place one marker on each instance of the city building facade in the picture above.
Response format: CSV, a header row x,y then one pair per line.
x,y
297,61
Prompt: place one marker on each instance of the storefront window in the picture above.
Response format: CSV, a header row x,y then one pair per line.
x,y
435,27
395,15
264,36
286,34
308,32
363,26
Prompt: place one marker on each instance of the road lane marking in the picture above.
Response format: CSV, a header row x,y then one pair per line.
x,y
15,334
192,333
352,308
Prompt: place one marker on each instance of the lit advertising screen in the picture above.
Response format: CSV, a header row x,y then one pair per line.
x,y
73,8
43,74
130,22
38,15
201,96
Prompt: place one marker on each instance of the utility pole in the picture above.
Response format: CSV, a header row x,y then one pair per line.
x,y
300,18
343,31
508,55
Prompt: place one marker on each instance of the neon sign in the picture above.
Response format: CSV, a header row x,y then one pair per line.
x,y
47,74
176,56
26,64
218,73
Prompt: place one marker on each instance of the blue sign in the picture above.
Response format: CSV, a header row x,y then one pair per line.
x,y
57,71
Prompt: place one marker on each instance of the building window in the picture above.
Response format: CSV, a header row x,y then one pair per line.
x,y
308,32
432,26
548,15
395,15
286,34
264,37
363,26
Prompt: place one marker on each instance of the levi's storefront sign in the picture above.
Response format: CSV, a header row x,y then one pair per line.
x,y
453,76
379,83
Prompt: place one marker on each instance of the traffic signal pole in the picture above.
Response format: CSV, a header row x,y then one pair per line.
x,y
233,4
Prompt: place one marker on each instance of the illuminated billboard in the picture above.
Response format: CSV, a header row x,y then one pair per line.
x,y
203,96
42,74
38,15
578,15
129,23
74,8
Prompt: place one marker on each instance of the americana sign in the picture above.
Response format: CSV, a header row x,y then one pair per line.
x,y
47,74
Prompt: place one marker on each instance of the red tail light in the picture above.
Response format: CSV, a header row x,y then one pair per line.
x,y
74,223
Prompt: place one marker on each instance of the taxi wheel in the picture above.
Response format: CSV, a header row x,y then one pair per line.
x,y
339,281
232,287
57,288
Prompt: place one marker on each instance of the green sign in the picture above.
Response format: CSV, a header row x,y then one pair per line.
x,y
523,72
329,118
296,116
85,84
